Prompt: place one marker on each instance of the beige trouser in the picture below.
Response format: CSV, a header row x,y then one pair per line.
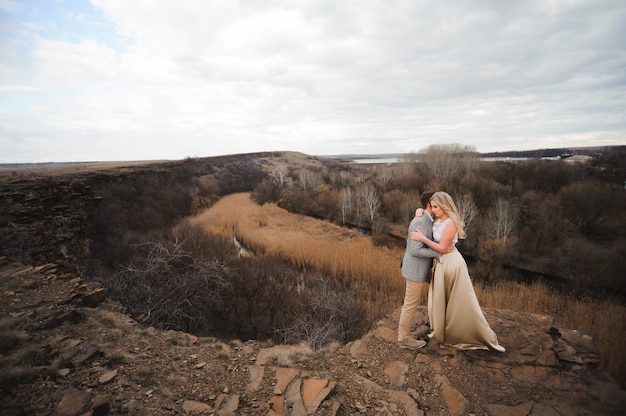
x,y
414,296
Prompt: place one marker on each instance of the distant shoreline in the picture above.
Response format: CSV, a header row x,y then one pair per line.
x,y
68,167
515,154
71,167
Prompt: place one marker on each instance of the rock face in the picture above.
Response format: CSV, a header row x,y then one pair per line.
x,y
75,352
46,219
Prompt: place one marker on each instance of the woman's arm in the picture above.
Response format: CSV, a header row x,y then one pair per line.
x,y
418,248
442,246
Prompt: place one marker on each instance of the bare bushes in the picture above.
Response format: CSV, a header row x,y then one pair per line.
x,y
323,314
261,291
166,287
169,287
271,299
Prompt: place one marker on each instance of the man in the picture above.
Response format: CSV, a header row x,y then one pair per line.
x,y
416,265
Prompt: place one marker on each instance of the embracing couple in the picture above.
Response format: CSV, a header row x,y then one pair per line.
x,y
456,319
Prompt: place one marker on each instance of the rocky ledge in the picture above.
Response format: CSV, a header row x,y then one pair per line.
x,y
69,350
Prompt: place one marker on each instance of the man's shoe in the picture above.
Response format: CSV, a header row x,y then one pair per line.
x,y
411,344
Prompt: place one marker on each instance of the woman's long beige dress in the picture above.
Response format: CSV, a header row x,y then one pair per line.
x,y
455,316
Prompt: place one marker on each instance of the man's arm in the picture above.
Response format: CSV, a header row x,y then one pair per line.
x,y
418,248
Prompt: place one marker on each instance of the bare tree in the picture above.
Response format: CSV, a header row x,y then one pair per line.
x,y
279,175
345,205
403,167
345,177
410,158
383,177
332,177
309,179
368,198
502,220
445,161
468,211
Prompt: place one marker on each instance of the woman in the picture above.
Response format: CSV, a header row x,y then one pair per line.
x,y
455,316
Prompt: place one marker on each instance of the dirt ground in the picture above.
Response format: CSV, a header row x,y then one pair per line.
x,y
158,371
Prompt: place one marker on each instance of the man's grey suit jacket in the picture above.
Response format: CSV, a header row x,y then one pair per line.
x,y
418,257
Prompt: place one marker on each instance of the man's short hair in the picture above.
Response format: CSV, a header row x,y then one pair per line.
x,y
425,198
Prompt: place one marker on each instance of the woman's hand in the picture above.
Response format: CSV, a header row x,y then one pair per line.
x,y
417,235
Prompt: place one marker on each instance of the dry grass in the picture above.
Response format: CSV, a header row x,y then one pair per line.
x,y
289,355
70,167
373,273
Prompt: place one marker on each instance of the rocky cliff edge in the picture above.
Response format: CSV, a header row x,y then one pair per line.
x,y
69,350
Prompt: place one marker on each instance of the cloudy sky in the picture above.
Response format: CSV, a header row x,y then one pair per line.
x,y
86,80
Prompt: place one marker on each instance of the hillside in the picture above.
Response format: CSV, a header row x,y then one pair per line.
x,y
67,349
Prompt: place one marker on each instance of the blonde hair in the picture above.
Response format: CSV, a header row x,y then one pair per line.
x,y
448,206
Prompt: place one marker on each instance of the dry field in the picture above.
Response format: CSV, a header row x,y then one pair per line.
x,y
374,273
69,167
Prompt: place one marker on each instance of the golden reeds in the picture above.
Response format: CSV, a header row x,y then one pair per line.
x,y
373,273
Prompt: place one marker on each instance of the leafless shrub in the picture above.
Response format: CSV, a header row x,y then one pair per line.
x,y
381,235
324,315
591,265
261,292
266,191
169,288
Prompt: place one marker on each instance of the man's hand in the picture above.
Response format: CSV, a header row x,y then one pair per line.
x,y
419,212
451,248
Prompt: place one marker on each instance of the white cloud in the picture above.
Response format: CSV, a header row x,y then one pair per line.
x,y
164,80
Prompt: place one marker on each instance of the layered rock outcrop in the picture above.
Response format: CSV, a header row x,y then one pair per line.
x,y
46,219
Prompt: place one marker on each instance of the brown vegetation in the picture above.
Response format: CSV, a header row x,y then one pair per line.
x,y
373,272
317,279
526,218
310,244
